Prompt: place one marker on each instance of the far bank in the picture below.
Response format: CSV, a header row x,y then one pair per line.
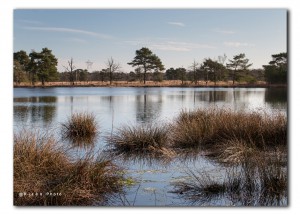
x,y
173,83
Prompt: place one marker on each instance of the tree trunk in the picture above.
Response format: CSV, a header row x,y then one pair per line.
x,y
145,75
110,78
234,76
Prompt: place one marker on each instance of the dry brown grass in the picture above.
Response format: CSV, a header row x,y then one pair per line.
x,y
228,132
165,83
80,129
141,142
42,166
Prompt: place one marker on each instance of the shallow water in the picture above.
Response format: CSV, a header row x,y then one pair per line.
x,y
45,108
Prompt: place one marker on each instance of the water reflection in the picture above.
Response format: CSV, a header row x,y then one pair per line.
x,y
117,106
148,107
212,96
21,113
134,105
43,99
35,109
276,97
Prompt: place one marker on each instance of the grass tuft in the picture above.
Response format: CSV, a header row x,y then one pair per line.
x,y
212,129
80,128
42,166
143,141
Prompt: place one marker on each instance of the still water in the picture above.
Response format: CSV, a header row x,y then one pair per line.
x,y
46,108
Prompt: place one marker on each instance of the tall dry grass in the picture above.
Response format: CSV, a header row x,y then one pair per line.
x,y
217,130
42,166
80,128
140,142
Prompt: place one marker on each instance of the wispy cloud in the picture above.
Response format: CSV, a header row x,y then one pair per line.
x,y
69,30
32,22
237,44
77,40
180,24
170,45
180,46
223,31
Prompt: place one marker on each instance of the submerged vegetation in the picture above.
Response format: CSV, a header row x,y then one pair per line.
x,y
261,181
45,174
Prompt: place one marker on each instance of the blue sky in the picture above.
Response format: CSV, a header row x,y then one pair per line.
x,y
178,37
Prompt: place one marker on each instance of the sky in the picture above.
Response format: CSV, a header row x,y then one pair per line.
x,y
176,36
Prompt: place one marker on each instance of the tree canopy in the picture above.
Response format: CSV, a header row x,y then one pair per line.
x,y
237,64
276,71
213,69
42,66
36,66
147,60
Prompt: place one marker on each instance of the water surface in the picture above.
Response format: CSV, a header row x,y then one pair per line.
x,y
46,108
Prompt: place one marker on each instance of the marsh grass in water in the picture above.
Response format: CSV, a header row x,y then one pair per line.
x,y
41,165
216,130
252,146
80,129
146,141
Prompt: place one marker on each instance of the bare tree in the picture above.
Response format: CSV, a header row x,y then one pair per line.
x,y
194,68
112,67
222,59
70,68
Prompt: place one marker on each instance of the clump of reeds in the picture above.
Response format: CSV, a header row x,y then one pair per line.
x,y
234,151
80,128
209,129
47,174
192,130
142,141
272,171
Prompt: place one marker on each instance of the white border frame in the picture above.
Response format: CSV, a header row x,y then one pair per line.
x,y
6,95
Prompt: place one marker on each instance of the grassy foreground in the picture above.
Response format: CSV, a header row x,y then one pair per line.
x,y
44,174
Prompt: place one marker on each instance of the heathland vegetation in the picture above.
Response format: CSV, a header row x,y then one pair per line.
x,y
45,173
40,68
252,146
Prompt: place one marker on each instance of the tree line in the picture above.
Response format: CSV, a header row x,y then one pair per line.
x,y
42,67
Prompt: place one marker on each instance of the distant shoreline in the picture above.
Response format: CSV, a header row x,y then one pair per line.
x,y
200,84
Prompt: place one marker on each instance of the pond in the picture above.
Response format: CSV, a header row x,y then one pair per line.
x,y
46,108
